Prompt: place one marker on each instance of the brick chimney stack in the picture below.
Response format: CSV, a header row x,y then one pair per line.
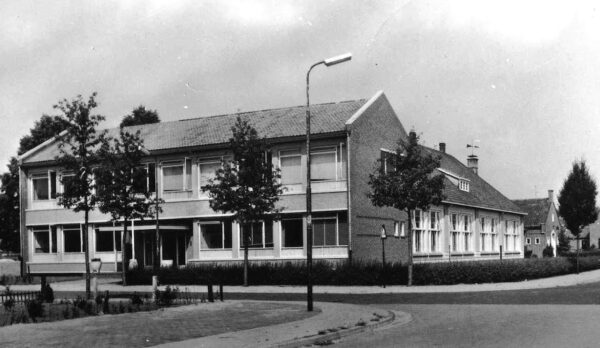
x,y
473,163
551,195
443,147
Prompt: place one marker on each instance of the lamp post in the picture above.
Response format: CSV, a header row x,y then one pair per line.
x,y
309,235
383,237
95,264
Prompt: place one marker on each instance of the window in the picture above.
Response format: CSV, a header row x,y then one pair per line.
x,y
44,185
323,164
426,231
488,234
527,241
259,234
325,232
108,241
149,182
207,170
537,241
44,240
215,235
418,231
387,161
291,167
463,185
511,236
292,232
177,175
461,236
72,239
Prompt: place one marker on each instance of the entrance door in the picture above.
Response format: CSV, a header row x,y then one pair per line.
x,y
173,248
144,254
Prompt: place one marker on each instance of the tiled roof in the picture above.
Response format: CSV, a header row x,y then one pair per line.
x,y
481,194
536,208
274,123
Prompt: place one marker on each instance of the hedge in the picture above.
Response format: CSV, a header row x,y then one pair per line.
x,y
369,273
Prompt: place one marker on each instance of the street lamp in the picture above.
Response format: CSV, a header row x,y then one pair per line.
x,y
309,230
383,237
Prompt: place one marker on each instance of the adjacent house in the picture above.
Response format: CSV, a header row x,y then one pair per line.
x,y
542,224
474,222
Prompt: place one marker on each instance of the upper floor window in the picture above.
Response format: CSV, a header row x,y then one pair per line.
x,y
207,170
149,182
291,167
387,161
44,185
326,164
177,175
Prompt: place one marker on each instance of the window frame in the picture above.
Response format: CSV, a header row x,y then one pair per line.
x,y
206,160
223,235
52,239
52,190
291,153
71,228
116,241
337,231
326,150
461,227
302,231
263,236
183,163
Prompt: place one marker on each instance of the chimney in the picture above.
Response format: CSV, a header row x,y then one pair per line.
x,y
551,195
472,162
443,147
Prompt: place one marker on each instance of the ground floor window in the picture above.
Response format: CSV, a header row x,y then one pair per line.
x,y
258,234
44,239
108,241
292,232
72,239
327,231
215,235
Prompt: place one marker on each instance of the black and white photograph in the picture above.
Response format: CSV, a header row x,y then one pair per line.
x,y
262,173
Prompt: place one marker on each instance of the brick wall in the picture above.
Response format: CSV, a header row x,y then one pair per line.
x,y
378,127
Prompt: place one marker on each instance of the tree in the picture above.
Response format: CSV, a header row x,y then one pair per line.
x,y
140,116
577,201
563,242
45,128
248,187
404,180
78,156
122,189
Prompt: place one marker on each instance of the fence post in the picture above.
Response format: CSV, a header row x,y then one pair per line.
x,y
221,292
211,296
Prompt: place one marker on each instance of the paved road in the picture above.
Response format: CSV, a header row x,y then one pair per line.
x,y
488,326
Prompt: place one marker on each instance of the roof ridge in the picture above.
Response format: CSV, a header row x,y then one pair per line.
x,y
270,109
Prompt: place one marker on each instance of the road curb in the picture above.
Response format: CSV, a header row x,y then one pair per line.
x,y
392,318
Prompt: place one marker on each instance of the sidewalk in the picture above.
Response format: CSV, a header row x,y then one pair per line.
x,y
219,324
559,281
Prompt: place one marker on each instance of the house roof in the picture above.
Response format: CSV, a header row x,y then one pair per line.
x,y
536,208
214,130
481,193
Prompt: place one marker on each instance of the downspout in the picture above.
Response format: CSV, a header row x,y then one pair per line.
x,y
349,196
21,236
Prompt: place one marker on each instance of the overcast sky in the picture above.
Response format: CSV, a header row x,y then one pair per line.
x,y
521,77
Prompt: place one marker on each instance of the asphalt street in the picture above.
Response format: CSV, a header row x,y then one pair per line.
x,y
487,326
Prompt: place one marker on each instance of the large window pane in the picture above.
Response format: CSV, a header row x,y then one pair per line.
x,y
291,171
256,240
208,171
173,178
211,236
40,187
323,166
291,231
105,241
188,174
41,241
324,232
268,234
72,239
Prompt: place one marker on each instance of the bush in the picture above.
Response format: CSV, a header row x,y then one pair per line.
x,y
167,297
369,273
35,309
47,294
548,251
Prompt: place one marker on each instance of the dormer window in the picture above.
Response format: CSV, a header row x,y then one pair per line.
x,y
463,185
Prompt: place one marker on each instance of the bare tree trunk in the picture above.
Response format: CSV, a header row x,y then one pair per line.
x,y
410,249
245,237
124,256
577,257
87,252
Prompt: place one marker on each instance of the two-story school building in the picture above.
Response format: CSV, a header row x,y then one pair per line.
x,y
347,139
